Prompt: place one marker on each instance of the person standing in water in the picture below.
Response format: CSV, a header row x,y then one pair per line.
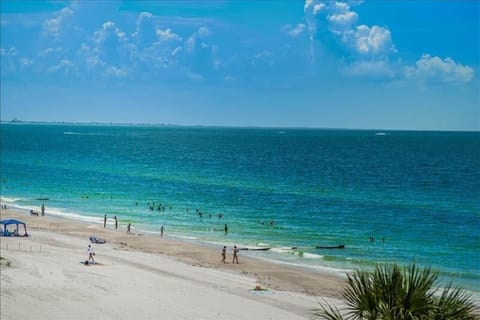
x,y
116,222
43,209
226,229
105,221
161,231
128,227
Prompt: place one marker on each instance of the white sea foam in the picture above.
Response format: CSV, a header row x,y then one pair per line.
x,y
59,212
308,255
183,237
321,268
282,250
9,200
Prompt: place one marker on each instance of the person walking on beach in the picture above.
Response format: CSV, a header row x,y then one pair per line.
x,y
116,222
91,253
105,221
43,209
224,253
235,254
161,231
128,227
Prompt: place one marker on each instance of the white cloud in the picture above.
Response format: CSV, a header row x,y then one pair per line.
x,y
53,26
145,33
176,51
11,52
64,66
341,23
109,32
191,42
294,31
168,35
343,19
370,41
376,68
368,50
25,62
318,7
203,32
435,69
121,72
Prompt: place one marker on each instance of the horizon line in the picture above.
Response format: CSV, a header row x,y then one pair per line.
x,y
19,122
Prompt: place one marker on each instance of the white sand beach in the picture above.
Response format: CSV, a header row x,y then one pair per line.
x,y
143,277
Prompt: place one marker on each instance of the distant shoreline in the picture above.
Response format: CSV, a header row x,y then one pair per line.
x,y
199,126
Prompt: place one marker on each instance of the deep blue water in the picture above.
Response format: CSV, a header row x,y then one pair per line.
x,y
416,193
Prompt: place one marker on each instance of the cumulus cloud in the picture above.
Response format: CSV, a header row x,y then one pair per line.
x,y
370,41
167,35
429,68
368,50
341,22
53,26
195,40
109,33
203,32
145,32
12,60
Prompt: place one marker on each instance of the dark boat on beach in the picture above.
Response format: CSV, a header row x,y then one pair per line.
x,y
340,246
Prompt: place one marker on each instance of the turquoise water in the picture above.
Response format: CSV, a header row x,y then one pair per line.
x,y
416,193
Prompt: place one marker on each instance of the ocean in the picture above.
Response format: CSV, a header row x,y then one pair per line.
x,y
388,196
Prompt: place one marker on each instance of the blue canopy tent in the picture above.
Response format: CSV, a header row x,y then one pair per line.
x,y
5,232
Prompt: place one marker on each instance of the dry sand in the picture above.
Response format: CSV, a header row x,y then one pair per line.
x,y
144,277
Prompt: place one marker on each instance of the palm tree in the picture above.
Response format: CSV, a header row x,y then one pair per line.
x,y
390,293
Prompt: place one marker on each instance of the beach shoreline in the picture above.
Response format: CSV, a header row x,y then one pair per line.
x,y
47,231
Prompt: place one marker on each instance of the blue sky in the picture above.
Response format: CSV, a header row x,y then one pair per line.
x,y
330,64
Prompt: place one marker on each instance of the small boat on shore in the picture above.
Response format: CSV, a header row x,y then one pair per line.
x,y
255,249
340,246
